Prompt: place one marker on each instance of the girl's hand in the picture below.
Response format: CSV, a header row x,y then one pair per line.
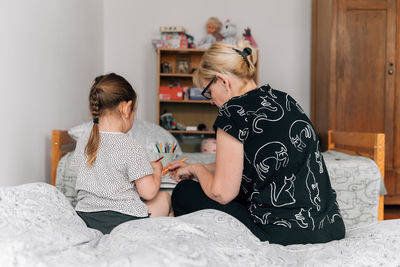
x,y
156,165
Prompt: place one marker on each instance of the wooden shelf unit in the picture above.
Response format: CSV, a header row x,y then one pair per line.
x,y
187,112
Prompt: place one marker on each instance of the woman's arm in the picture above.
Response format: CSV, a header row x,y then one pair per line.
x,y
149,185
224,184
210,167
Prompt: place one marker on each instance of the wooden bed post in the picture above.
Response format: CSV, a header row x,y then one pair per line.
x,y
331,145
379,158
61,143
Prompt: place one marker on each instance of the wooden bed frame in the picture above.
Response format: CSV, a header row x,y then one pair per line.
x,y
61,144
364,144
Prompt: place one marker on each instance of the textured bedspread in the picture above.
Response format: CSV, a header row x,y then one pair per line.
x,y
38,227
357,181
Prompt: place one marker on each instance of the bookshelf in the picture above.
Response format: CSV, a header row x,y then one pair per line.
x,y
185,111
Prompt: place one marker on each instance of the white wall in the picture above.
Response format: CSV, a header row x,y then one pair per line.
x,y
50,51
282,29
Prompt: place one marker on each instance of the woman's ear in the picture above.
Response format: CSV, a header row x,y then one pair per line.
x,y
225,81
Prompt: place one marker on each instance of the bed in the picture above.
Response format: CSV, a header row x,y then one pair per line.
x,y
39,227
357,200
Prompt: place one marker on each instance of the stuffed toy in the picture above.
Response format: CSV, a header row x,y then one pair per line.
x,y
213,26
247,36
228,32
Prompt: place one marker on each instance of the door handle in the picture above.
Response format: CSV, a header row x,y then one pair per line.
x,y
390,71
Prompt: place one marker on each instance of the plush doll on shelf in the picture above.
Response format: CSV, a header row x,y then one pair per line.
x,y
190,41
228,32
213,26
247,36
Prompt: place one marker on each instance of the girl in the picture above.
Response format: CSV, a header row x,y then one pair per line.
x,y
113,171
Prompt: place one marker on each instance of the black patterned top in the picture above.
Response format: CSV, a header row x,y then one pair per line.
x,y
284,181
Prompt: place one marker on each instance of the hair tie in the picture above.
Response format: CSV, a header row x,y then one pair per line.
x,y
96,120
245,53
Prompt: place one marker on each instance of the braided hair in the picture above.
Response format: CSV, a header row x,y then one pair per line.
x,y
106,93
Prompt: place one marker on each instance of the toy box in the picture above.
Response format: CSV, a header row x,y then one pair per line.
x,y
171,93
195,94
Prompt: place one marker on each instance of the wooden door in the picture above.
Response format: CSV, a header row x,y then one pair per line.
x,y
365,64
396,146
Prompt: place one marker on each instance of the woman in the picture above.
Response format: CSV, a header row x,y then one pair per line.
x,y
269,172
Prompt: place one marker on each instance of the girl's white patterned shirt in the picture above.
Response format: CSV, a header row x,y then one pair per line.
x,y
108,183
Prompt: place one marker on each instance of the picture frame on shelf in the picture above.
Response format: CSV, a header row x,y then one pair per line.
x,y
182,64
166,67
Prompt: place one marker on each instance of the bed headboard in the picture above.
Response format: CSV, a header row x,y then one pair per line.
x,y
61,143
371,145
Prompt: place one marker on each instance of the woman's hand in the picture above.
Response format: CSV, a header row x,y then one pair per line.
x,y
179,170
173,165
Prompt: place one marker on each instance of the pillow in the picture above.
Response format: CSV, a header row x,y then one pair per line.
x,y
149,134
146,133
357,182
66,178
78,130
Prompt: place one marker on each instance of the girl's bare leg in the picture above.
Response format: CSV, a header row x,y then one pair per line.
x,y
160,205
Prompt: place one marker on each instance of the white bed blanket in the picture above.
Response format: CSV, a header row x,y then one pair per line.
x,y
39,227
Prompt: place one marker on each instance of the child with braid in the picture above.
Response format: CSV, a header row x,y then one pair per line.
x,y
114,173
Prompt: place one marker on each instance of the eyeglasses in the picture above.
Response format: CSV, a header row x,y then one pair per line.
x,y
207,93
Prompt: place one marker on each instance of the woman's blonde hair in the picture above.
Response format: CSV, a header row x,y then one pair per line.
x,y
106,93
224,58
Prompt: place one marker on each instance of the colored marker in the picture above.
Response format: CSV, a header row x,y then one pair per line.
x,y
160,159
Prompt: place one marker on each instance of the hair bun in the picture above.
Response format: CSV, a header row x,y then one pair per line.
x,y
98,78
247,51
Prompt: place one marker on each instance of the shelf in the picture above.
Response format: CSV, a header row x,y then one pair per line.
x,y
185,111
187,101
189,75
191,132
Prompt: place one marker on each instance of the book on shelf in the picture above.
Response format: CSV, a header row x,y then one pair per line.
x,y
172,29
